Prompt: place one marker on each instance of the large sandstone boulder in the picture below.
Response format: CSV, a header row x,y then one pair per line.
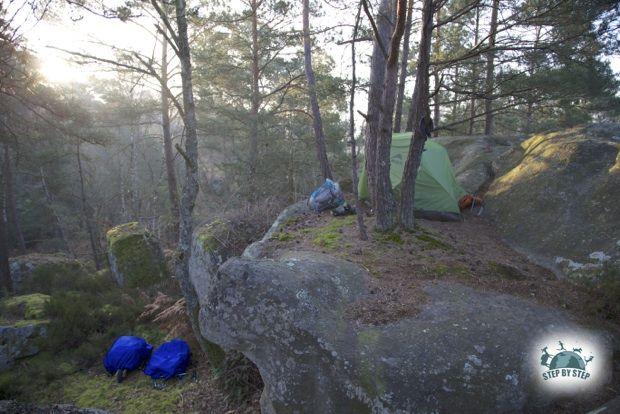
x,y
477,158
37,272
135,256
22,323
561,202
293,314
20,341
288,314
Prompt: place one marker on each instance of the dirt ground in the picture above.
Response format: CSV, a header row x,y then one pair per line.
x,y
470,252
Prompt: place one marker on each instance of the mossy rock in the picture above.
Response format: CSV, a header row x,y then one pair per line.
x,y
562,198
26,306
38,272
136,258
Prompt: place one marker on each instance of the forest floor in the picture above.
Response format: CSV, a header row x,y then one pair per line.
x,y
469,252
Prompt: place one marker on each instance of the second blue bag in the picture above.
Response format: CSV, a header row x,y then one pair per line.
x,y
170,359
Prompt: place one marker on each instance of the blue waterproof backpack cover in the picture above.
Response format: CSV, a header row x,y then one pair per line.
x,y
127,352
170,359
328,196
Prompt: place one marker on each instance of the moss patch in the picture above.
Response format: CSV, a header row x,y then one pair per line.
x,y
433,243
506,271
134,395
136,256
26,306
329,236
388,237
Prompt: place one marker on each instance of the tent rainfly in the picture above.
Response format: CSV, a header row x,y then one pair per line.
x,y
436,190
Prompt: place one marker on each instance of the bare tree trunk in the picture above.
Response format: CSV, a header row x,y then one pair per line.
x,y
529,116
255,101
133,177
5,268
190,186
490,75
10,200
375,92
402,80
86,213
386,204
171,176
358,206
60,227
437,52
317,122
455,104
472,103
421,116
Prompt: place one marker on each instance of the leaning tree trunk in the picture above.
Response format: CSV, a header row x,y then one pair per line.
x,y
386,204
10,200
255,102
490,75
437,76
474,75
5,268
171,176
402,80
375,92
422,113
86,212
532,64
190,186
59,225
358,206
317,122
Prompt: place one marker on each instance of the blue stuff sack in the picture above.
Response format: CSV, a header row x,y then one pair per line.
x,y
326,197
170,359
127,353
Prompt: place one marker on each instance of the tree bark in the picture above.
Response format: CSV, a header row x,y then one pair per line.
x,y
455,104
398,112
472,103
5,268
11,204
50,203
533,61
190,186
375,92
358,206
421,114
86,213
490,75
171,175
437,77
317,122
385,198
255,101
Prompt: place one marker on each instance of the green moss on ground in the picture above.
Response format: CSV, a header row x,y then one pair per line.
x,y
506,271
450,269
388,237
432,242
135,395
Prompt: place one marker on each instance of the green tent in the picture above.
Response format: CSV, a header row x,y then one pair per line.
x,y
436,188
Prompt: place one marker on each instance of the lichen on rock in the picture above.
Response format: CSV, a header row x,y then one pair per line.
x,y
20,341
135,256
41,272
562,198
